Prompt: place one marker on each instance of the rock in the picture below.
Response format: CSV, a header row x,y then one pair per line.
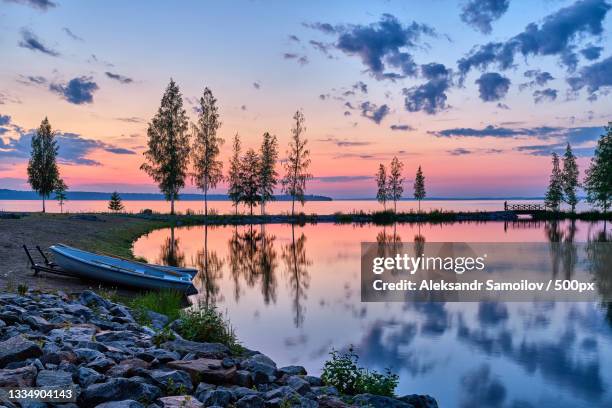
x,y
228,362
420,401
239,392
172,381
49,378
243,378
118,389
39,323
205,350
128,368
101,365
90,299
78,310
121,311
17,349
330,401
158,320
313,381
220,397
109,336
325,390
300,385
250,401
182,401
262,368
161,355
57,357
283,393
87,376
72,334
19,377
378,401
120,404
87,355
206,370
293,370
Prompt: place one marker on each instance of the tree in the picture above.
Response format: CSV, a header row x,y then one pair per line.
x,y
60,193
268,177
296,166
381,183
167,155
598,181
43,173
115,203
233,177
207,168
570,178
395,187
419,186
249,175
554,195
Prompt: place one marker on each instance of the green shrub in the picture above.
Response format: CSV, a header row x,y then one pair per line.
x,y
206,324
22,289
343,372
166,302
162,336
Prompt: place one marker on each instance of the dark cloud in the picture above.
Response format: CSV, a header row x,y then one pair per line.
x,y
341,179
323,27
502,106
294,38
344,142
481,13
256,85
301,59
559,148
72,35
32,80
30,41
574,135
382,45
131,119
243,107
4,120
401,128
361,86
78,90
543,95
429,97
594,77
555,36
43,5
492,86
118,77
374,112
73,148
460,151
538,78
320,46
591,52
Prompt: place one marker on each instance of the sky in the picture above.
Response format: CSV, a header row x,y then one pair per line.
x,y
478,93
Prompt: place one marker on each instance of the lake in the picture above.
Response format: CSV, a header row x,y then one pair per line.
x,y
293,293
274,207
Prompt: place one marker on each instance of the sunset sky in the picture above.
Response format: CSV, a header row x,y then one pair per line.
x,y
478,95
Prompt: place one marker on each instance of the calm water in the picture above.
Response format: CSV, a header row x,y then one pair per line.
x,y
294,293
275,207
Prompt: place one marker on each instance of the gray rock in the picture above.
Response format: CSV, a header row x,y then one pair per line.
x,y
206,350
78,310
19,377
158,320
283,393
118,389
220,396
39,323
87,376
128,368
293,370
90,299
121,404
331,401
172,381
161,355
262,368
378,401
101,365
72,334
239,392
180,401
300,385
250,401
420,401
48,378
243,378
17,349
87,355
325,390
313,381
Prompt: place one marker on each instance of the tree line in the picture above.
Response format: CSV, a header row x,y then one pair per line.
x,y
390,187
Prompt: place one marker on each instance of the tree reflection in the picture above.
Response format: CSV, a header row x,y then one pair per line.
x,y
563,251
600,265
170,254
210,272
296,265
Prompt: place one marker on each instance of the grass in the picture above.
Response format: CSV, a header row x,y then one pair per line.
x,y
166,302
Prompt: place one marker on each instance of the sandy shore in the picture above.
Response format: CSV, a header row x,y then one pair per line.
x,y
87,232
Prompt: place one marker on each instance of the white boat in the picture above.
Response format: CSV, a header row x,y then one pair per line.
x,y
119,271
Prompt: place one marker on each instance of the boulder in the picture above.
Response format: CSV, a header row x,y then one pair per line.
x,y
420,401
52,378
161,355
300,385
219,396
39,323
87,376
87,355
90,299
17,349
250,401
128,368
203,350
330,401
262,368
378,401
118,389
172,381
205,369
121,404
19,377
101,365
293,370
181,401
158,320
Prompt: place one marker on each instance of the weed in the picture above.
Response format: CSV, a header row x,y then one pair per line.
x,y
206,324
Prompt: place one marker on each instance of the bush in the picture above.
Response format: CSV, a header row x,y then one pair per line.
x,y
206,324
166,302
343,372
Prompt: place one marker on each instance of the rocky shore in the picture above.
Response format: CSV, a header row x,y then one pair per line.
x,y
95,347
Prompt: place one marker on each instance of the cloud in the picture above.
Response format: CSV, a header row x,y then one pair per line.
x,y
118,77
559,148
32,80
344,142
320,46
323,27
401,128
429,97
78,90
130,119
492,86
594,77
460,151
294,38
301,59
30,41
479,14
73,148
382,45
341,179
374,112
591,52
43,5
4,120
361,86
538,78
574,135
256,85
543,95
72,35
556,36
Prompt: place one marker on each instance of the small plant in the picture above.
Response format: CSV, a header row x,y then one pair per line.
x,y
22,289
166,302
206,324
343,372
162,336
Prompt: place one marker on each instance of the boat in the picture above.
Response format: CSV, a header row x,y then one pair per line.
x,y
120,271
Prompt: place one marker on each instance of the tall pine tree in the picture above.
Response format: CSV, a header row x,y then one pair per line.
x,y
234,190
554,195
381,184
419,186
207,168
395,184
598,181
268,177
296,165
570,178
167,156
43,173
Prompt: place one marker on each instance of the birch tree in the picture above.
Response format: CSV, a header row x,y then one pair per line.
x,y
297,163
43,173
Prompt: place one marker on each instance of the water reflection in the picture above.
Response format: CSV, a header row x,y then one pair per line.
x,y
169,253
296,269
210,272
